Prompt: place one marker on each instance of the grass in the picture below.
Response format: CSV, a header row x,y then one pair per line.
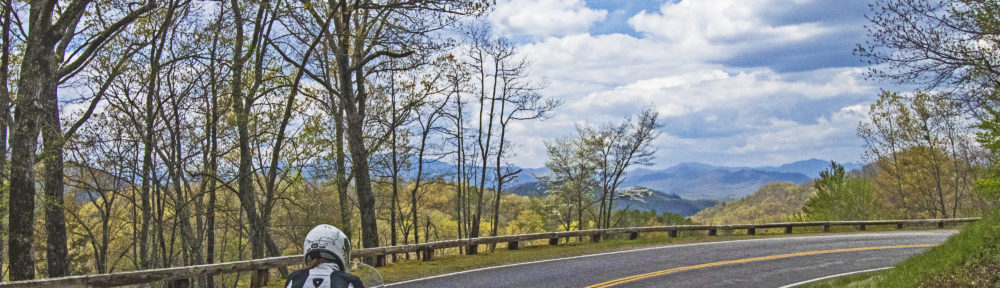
x,y
539,250
970,258
857,279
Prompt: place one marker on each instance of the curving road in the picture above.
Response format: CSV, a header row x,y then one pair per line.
x,y
772,262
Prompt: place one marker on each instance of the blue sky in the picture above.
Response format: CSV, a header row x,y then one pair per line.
x,y
739,83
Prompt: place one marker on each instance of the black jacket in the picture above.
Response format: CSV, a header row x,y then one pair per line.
x,y
323,276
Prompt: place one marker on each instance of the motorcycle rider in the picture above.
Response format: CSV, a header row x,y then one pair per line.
x,y
327,251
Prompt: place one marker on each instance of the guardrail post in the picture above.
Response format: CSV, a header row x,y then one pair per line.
x,y
788,229
428,254
672,233
899,225
262,276
826,228
941,224
861,227
751,231
595,238
633,235
713,232
182,283
553,241
512,245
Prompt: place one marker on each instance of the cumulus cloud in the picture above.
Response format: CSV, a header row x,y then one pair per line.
x,y
543,18
694,91
716,116
757,82
718,22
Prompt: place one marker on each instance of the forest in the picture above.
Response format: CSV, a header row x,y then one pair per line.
x,y
176,133
148,134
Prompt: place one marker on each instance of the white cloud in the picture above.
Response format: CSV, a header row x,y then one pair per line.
x,y
744,101
543,18
716,22
758,115
695,91
828,133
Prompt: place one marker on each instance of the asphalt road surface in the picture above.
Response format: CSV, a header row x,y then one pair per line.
x,y
771,262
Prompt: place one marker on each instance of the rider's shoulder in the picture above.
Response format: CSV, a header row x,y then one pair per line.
x,y
346,276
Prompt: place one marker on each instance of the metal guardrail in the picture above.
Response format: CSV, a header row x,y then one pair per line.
x,y
427,249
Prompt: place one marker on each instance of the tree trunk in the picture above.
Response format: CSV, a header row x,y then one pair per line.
x,y
34,86
21,199
362,181
241,108
394,206
56,253
341,167
5,117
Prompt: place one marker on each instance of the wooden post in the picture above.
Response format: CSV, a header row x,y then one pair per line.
x,y
713,232
751,231
826,228
553,241
941,224
672,233
633,235
512,245
861,227
595,238
429,254
899,225
788,229
262,275
182,283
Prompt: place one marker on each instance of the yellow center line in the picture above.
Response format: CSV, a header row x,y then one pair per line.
x,y
745,260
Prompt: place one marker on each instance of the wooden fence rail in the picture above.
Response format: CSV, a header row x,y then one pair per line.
x,y
427,249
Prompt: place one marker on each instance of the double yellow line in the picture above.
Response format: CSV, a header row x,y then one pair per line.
x,y
745,260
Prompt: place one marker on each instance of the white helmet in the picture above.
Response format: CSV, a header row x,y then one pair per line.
x,y
329,243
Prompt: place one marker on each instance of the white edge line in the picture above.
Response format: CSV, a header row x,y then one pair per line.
x,y
835,276
650,248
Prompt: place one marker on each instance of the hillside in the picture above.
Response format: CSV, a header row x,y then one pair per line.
x,y
659,200
713,183
694,181
774,202
663,202
810,167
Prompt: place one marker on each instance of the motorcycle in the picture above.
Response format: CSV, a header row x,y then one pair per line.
x,y
368,275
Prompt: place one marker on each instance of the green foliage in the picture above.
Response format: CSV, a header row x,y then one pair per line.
x,y
774,202
964,260
988,184
638,218
840,197
924,162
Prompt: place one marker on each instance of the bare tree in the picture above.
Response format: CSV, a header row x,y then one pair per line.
x,y
619,147
45,64
943,45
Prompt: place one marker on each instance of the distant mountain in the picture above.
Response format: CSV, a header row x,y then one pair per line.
x,y
665,202
658,200
810,167
707,182
437,168
690,180
529,189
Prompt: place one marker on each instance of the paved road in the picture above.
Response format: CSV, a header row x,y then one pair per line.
x,y
771,262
